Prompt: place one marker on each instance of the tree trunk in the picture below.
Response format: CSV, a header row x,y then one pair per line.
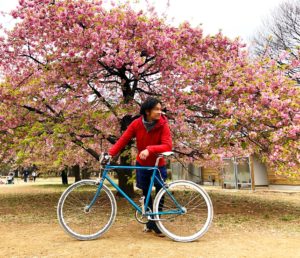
x,y
125,174
64,176
85,173
76,172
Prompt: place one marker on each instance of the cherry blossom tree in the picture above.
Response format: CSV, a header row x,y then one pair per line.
x,y
76,72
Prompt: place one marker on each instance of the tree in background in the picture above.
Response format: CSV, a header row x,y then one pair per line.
x,y
76,72
279,38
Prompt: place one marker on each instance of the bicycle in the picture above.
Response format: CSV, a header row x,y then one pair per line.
x,y
182,210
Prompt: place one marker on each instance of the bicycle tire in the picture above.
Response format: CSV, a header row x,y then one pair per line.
x,y
76,221
195,222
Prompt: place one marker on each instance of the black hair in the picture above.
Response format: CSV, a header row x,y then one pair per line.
x,y
148,104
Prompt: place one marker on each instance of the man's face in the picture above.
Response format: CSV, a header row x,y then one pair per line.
x,y
154,113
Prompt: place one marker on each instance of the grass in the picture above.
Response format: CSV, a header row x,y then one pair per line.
x,y
53,186
289,217
37,204
248,211
59,186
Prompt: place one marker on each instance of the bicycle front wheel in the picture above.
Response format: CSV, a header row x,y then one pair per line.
x,y
196,203
74,217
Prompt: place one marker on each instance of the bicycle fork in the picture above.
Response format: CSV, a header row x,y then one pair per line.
x,y
99,182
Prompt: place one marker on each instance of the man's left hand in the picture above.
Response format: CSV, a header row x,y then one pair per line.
x,y
144,154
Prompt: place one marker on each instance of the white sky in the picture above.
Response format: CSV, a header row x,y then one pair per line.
x,y
234,17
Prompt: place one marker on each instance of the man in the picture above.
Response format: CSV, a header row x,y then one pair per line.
x,y
153,136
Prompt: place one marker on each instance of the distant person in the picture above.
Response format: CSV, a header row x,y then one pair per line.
x,y
26,174
34,175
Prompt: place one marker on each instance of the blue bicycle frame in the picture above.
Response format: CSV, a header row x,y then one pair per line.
x,y
154,176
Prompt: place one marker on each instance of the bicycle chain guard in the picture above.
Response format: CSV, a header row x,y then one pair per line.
x,y
140,218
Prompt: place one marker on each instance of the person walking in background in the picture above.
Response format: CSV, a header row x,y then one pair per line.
x,y
26,174
34,175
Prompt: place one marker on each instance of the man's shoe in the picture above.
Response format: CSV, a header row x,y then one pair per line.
x,y
151,226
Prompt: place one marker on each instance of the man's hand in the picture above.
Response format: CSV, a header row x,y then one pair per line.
x,y
144,154
105,158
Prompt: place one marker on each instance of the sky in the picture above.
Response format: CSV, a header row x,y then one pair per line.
x,y
236,18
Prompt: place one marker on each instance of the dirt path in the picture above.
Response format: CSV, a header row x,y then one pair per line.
x,y
42,240
246,224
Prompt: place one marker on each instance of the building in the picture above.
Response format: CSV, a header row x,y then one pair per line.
x,y
238,173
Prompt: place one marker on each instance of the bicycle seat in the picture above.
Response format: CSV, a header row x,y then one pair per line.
x,y
166,154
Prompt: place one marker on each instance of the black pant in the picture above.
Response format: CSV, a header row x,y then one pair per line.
x,y
151,225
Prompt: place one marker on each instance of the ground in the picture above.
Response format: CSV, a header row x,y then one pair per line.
x,y
246,224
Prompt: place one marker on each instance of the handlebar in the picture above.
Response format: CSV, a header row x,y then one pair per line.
x,y
105,158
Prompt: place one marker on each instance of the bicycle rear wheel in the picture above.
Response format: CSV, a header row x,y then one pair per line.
x,y
76,220
198,208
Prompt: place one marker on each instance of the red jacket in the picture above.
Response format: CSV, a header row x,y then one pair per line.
x,y
157,140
